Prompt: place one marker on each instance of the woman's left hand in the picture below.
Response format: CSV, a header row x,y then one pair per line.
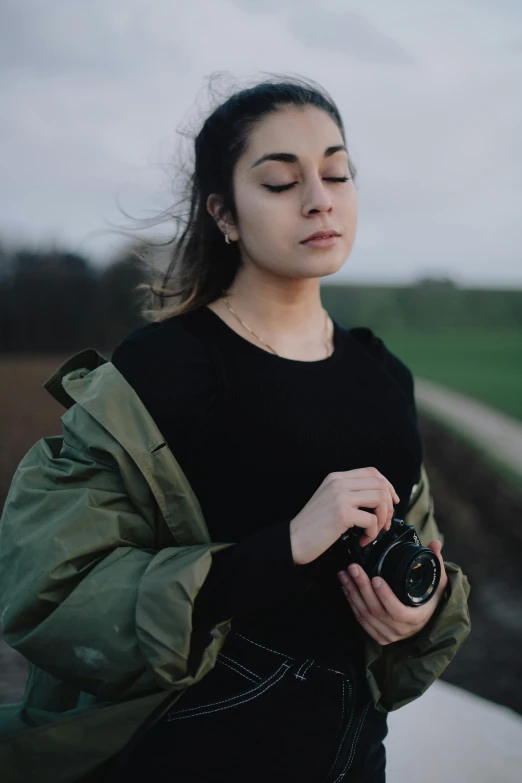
x,y
382,615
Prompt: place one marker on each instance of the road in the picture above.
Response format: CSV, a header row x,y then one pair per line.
x,y
452,736
491,430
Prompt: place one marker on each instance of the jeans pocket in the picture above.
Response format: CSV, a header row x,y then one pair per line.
x,y
244,671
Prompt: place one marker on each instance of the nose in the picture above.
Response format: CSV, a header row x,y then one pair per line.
x,y
316,197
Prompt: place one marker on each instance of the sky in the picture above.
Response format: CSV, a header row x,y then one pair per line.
x,y
94,95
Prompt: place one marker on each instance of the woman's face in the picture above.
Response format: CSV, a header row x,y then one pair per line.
x,y
271,225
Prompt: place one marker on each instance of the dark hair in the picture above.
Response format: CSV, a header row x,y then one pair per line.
x,y
201,265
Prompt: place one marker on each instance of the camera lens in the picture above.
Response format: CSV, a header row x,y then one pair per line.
x,y
412,572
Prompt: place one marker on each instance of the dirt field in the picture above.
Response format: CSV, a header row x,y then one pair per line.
x,y
27,413
478,512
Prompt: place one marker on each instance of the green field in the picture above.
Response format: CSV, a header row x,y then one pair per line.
x,y
467,339
486,365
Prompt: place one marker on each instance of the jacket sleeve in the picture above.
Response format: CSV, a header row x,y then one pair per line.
x,y
86,592
400,672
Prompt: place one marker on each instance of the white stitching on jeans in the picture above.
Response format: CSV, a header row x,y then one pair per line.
x,y
222,655
242,674
345,732
284,655
299,676
302,676
266,686
223,701
354,744
342,711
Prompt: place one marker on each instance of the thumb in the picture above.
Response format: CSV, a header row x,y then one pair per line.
x,y
436,547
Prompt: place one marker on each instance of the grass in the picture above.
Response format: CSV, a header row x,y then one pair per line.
x,y
486,365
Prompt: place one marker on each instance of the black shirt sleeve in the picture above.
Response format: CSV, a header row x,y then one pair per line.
x,y
251,575
394,366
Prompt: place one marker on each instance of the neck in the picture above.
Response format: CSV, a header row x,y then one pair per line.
x,y
289,307
286,314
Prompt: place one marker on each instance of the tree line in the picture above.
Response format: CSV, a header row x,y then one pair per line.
x,y
59,301
56,301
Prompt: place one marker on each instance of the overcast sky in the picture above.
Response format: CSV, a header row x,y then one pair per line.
x,y
92,94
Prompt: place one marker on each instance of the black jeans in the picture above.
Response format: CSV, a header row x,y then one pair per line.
x,y
261,715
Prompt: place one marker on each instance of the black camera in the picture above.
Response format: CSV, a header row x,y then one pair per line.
x,y
412,571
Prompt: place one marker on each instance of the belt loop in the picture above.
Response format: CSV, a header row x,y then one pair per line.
x,y
303,670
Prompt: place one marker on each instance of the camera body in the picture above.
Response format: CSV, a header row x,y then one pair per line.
x,y
412,571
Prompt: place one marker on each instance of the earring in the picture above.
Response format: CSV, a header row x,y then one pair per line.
x,y
227,240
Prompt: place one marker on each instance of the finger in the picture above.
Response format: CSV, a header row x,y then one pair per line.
x,y
376,628
397,611
371,473
384,630
436,548
365,519
391,512
377,617
378,503
382,638
361,579
387,513
383,512
352,593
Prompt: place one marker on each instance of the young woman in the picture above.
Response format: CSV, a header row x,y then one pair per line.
x,y
290,430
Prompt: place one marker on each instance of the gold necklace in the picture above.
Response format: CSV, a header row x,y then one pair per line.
x,y
267,345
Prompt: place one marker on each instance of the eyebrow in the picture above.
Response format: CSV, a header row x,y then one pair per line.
x,y
288,157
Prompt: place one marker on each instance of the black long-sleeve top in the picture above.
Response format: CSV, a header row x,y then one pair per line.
x,y
256,434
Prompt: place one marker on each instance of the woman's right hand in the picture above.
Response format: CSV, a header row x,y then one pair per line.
x,y
337,506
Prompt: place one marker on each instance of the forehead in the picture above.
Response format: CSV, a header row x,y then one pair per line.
x,y
303,131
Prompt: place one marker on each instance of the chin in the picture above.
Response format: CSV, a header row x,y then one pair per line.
x,y
312,271
327,266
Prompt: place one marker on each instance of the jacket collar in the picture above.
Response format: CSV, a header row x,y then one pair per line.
x,y
92,381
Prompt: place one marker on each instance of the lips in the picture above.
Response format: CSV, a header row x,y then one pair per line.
x,y
322,235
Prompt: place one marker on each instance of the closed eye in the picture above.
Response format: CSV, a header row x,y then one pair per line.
x,y
280,188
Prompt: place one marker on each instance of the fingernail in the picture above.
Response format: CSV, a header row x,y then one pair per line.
x,y
342,576
354,570
377,582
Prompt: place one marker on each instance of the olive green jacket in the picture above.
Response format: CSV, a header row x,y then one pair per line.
x,y
103,549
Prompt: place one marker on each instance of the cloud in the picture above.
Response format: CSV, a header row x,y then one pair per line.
x,y
349,33
93,93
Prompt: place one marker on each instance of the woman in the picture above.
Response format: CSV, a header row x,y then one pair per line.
x,y
275,399
290,430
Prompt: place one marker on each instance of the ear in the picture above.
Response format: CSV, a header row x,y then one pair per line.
x,y
224,222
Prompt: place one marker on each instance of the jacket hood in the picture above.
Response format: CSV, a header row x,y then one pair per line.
x,y
92,381
89,359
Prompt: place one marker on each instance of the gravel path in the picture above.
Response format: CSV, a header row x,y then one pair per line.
x,y
452,735
493,431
